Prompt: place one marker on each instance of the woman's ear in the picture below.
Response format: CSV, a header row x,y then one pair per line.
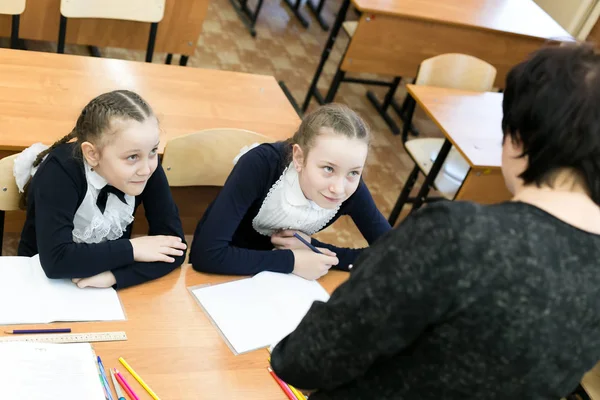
x,y
298,157
90,153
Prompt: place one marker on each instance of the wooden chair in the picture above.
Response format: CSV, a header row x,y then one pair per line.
x,y
151,11
14,8
205,158
458,71
9,193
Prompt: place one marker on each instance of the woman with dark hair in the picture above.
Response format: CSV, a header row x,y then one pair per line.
x,y
466,301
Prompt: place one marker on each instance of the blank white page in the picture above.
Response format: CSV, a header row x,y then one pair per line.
x,y
34,298
46,371
256,312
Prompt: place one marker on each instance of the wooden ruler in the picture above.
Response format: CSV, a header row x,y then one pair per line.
x,y
68,337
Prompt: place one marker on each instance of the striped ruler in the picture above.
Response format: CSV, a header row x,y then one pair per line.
x,y
68,337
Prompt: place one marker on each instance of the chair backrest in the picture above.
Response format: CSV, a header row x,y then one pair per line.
x,y
205,158
457,71
9,192
12,7
130,10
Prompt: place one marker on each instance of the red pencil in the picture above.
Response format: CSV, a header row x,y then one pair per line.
x,y
282,385
125,386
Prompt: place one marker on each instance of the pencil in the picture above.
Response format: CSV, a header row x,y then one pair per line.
x,y
138,378
125,385
299,395
310,246
117,386
33,331
290,395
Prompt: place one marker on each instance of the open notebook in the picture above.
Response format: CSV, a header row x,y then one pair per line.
x,y
46,371
29,297
257,312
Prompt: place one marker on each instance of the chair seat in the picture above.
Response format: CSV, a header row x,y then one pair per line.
x,y
350,27
12,7
453,172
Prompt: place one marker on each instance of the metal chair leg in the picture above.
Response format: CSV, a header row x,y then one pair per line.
x,y
14,33
433,173
62,34
2,214
151,42
403,197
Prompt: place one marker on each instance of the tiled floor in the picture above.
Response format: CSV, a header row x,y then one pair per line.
x,y
286,50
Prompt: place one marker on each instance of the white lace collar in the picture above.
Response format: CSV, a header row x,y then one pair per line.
x,y
92,226
286,207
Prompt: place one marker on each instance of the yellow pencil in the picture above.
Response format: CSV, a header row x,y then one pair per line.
x,y
296,392
137,378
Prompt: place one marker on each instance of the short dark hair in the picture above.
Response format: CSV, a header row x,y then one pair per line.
x,y
552,106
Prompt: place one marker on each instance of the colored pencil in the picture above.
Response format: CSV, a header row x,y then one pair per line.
x,y
34,331
290,395
138,378
125,385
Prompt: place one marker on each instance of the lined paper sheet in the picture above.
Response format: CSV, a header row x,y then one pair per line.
x,y
46,371
256,312
33,298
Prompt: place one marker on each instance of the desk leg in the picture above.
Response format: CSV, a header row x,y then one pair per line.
x,y
337,25
295,7
387,101
382,108
317,12
312,90
248,17
433,173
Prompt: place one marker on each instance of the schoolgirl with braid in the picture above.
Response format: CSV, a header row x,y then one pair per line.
x,y
81,194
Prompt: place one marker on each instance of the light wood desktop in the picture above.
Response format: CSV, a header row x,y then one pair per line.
x,y
394,37
42,94
472,122
175,348
178,32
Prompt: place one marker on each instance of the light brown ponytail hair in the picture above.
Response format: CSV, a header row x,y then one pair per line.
x,y
340,118
95,120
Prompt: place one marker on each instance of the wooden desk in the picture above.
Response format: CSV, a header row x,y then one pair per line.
x,y
42,94
591,383
178,32
394,37
471,121
174,347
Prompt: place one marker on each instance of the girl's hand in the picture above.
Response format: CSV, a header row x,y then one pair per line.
x,y
157,248
286,240
102,280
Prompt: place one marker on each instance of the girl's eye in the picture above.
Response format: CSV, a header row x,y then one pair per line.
x,y
329,170
154,151
354,173
133,157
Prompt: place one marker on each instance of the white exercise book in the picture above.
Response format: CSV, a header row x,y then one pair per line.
x,y
48,371
29,297
257,312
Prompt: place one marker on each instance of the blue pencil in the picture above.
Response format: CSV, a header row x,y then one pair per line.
x,y
104,379
310,246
